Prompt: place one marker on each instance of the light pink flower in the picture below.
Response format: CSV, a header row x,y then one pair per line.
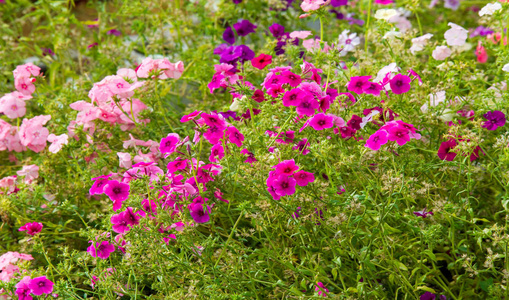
x,y
124,160
24,85
30,173
456,36
441,53
57,142
13,107
300,34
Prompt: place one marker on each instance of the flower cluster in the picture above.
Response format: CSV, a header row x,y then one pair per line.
x,y
282,181
33,286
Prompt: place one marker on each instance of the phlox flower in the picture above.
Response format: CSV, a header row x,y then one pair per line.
x,y
102,249
303,178
30,173
310,5
321,121
99,184
286,168
24,85
456,36
423,213
494,119
31,228
400,84
168,144
13,107
57,142
321,289
445,151
216,153
357,84
234,136
40,285
441,52
23,291
199,214
118,193
261,61
376,140
419,43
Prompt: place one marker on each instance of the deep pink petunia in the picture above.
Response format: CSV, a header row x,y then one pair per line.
x,y
400,84
119,223
100,249
321,121
118,192
23,290
31,228
216,153
234,136
423,213
357,84
494,119
291,78
372,88
261,61
445,150
176,165
284,185
199,214
286,168
169,143
308,105
213,120
293,97
99,184
376,140
40,285
190,116
303,178
398,134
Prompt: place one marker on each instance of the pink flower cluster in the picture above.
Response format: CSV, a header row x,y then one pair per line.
x,y
29,174
397,131
8,264
112,99
283,180
36,286
399,84
224,76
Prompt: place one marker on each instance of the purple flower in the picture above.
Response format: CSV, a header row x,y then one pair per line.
x,y
400,84
220,49
277,30
101,249
423,213
92,45
481,31
118,192
229,35
452,4
199,214
237,1
321,121
244,27
47,51
495,119
230,54
307,105
32,228
296,215
246,53
114,32
445,151
336,3
40,285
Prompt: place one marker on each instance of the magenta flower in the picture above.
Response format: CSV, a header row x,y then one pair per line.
x,y
114,32
176,165
199,214
357,84
101,249
23,290
119,223
40,285
118,192
169,143
308,105
286,168
216,153
31,228
284,185
321,289
355,122
376,140
277,30
372,88
293,97
292,79
261,61
495,119
190,116
99,184
400,84
398,134
445,151
229,35
321,121
214,134
423,213
303,178
234,136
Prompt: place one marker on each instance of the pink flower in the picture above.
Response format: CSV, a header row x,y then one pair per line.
x,y
176,165
456,36
119,223
234,136
284,185
293,97
100,249
190,116
213,120
24,85
441,52
321,289
291,78
321,121
168,144
357,84
118,193
376,140
261,61
30,173
13,107
303,178
372,88
216,153
31,228
161,68
286,168
124,160
481,54
23,290
26,70
40,285
400,84
32,134
309,5
307,105
57,142
398,134
99,184
300,34
445,151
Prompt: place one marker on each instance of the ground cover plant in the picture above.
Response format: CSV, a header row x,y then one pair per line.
x,y
253,149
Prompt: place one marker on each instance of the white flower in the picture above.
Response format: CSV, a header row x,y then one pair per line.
x,y
437,98
490,8
456,36
348,41
418,43
441,53
392,34
235,106
447,115
385,14
391,68
506,68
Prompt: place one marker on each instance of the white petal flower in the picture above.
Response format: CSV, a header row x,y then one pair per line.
x,y
456,36
506,68
490,9
385,14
